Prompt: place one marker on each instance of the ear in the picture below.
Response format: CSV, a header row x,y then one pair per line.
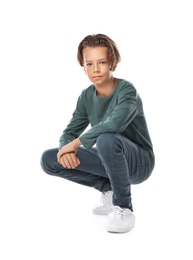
x,y
113,68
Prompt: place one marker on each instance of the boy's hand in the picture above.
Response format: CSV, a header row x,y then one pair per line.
x,y
67,155
69,160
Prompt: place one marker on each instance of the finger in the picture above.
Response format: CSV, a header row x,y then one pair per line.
x,y
71,157
65,161
59,154
75,160
61,161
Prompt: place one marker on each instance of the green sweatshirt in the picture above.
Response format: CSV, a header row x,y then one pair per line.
x,y
121,112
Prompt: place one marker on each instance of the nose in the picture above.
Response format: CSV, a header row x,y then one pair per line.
x,y
96,68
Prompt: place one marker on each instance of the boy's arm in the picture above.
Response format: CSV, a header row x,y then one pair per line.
x,y
77,124
122,115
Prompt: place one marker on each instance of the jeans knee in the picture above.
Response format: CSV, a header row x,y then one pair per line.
x,y
43,161
47,161
105,143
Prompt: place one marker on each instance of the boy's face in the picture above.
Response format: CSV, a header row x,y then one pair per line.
x,y
97,65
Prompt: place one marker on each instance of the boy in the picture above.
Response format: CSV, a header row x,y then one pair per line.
x,y
117,150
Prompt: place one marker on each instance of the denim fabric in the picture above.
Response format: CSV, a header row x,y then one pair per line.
x,y
115,163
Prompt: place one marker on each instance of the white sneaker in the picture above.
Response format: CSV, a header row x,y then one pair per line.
x,y
121,220
106,205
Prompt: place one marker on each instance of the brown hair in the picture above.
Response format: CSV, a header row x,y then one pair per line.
x,y
99,40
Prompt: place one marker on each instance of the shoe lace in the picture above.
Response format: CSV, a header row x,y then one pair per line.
x,y
119,212
105,197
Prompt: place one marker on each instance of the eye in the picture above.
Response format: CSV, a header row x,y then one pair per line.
x,y
103,62
88,64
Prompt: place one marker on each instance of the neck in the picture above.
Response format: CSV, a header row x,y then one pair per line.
x,y
106,89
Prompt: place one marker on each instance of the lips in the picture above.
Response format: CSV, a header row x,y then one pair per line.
x,y
97,77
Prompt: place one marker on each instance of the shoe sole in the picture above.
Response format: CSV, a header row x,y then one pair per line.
x,y
114,230
101,213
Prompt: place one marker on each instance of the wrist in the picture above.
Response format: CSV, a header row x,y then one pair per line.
x,y
77,142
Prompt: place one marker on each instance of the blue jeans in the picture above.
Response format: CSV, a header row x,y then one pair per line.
x,y
114,164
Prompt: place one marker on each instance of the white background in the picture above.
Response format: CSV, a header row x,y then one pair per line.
x,y
43,217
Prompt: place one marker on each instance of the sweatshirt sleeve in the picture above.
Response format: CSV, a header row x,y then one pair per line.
x,y
120,117
77,124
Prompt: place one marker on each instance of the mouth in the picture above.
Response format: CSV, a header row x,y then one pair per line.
x,y
96,77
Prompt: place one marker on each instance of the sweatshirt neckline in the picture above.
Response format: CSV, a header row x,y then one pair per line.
x,y
107,97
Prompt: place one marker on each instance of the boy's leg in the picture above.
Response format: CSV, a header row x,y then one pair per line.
x,y
125,164
90,172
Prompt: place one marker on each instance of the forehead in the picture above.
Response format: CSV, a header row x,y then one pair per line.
x,y
94,53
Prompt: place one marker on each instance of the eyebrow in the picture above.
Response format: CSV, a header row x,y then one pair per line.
x,y
97,60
